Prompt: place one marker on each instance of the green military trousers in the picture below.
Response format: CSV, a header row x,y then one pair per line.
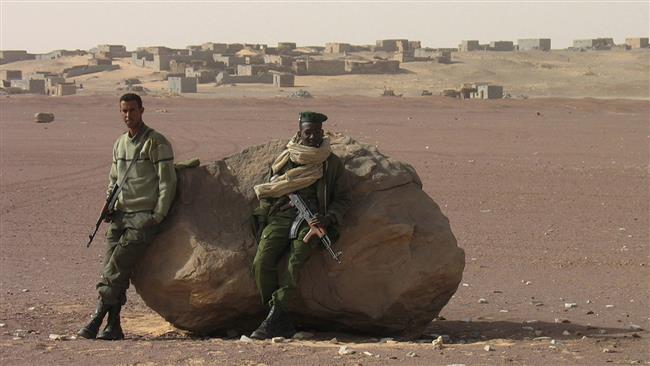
x,y
274,243
126,241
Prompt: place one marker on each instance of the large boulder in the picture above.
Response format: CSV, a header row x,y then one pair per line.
x,y
400,262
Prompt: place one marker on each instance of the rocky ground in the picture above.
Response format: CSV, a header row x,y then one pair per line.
x,y
548,197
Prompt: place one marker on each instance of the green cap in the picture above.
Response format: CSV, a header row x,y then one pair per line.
x,y
313,117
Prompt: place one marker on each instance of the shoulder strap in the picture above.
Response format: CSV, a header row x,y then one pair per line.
x,y
135,157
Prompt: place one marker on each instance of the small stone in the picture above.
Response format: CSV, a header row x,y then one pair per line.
x,y
343,350
73,337
556,342
367,353
497,292
609,306
588,301
566,333
2,325
334,340
482,301
303,335
43,117
385,340
57,337
24,290
488,348
589,312
635,327
411,354
570,305
602,331
243,338
552,347
465,285
438,343
503,311
607,350
277,339
542,339
31,308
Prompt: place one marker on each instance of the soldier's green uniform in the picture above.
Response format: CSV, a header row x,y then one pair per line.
x,y
328,196
147,194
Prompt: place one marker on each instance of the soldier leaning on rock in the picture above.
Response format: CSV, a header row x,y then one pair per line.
x,y
309,168
143,203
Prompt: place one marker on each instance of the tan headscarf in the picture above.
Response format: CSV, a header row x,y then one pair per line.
x,y
310,170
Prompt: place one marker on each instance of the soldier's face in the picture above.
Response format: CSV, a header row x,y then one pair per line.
x,y
131,113
311,134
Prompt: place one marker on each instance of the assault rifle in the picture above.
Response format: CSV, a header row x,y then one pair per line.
x,y
109,205
107,210
305,213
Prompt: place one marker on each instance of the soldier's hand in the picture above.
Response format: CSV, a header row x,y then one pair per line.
x,y
320,220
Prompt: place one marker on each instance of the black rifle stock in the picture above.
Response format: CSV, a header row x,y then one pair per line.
x,y
106,210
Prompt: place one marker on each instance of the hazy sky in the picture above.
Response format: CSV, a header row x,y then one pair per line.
x,y
41,26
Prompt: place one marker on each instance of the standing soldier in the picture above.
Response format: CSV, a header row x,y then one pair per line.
x,y
308,168
143,163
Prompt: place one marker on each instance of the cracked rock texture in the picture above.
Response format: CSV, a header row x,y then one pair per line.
x,y
400,263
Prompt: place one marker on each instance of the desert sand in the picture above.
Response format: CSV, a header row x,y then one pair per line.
x,y
548,197
559,73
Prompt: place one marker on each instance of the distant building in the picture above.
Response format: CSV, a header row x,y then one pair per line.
x,y
637,42
487,91
541,44
7,56
283,79
337,47
203,76
392,45
65,89
469,45
33,86
182,84
114,50
7,75
501,46
594,44
286,46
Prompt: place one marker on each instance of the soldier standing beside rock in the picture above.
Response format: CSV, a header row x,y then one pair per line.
x,y
146,196
309,168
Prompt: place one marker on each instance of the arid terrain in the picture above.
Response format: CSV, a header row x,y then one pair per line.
x,y
548,197
559,73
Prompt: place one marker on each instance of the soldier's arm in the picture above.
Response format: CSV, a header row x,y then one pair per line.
x,y
162,156
112,175
342,193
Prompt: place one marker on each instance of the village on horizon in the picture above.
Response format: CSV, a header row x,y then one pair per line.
x,y
243,63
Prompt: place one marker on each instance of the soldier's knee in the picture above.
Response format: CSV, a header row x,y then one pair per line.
x,y
261,263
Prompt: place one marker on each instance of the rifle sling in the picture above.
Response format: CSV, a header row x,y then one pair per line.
x,y
120,185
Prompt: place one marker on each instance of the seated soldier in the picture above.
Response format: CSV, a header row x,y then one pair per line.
x,y
308,168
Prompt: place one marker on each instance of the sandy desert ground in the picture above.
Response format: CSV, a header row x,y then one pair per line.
x,y
548,197
559,73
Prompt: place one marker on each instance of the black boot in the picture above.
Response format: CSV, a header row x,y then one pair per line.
x,y
113,329
276,324
91,329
